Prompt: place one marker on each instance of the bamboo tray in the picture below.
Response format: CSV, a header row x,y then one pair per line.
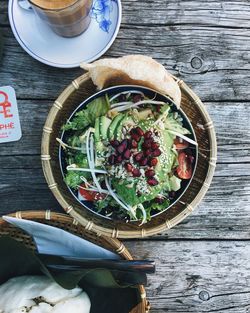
x,y
67,223
80,89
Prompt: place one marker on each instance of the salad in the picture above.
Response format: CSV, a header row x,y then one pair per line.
x,y
127,154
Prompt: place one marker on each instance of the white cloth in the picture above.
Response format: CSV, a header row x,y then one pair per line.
x,y
17,296
53,240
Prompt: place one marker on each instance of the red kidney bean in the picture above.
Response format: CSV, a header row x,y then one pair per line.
x,y
134,144
135,136
143,162
125,143
146,144
128,167
148,134
139,131
121,148
156,153
114,143
127,154
138,156
149,173
147,152
159,200
136,172
153,162
155,145
152,181
118,159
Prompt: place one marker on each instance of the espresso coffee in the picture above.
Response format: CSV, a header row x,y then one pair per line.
x,y
67,18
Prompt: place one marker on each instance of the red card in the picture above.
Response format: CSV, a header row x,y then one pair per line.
x,y
10,128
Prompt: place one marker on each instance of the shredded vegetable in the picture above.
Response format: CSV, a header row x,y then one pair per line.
x,y
136,160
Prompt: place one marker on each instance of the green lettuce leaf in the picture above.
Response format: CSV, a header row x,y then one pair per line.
x,y
87,117
73,178
129,195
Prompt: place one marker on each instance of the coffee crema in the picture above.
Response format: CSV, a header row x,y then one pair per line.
x,y
53,4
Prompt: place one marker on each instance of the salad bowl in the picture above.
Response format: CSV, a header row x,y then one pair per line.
x,y
144,153
74,99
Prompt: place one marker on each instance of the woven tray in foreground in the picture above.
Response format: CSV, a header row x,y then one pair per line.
x,y
80,89
67,223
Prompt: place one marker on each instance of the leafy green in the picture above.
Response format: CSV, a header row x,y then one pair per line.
x,y
73,179
81,160
152,205
159,206
165,108
74,141
102,204
130,196
87,117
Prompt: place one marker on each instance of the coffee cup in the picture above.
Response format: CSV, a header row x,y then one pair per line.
x,y
67,18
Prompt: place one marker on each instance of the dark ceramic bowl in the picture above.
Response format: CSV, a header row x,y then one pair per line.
x,y
150,93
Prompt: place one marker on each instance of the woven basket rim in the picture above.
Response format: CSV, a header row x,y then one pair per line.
x,y
114,232
49,215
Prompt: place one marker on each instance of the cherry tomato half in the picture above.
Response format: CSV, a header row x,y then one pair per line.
x,y
91,195
180,143
184,169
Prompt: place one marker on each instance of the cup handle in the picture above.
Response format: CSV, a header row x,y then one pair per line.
x,y
24,4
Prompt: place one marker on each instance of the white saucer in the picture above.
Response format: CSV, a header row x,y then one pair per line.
x,y
39,41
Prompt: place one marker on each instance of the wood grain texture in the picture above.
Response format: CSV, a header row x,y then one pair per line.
x,y
203,263
218,216
223,13
207,45
231,121
196,276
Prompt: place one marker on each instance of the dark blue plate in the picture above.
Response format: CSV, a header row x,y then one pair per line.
x,y
150,93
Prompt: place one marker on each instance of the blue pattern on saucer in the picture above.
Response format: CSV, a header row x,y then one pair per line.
x,y
101,13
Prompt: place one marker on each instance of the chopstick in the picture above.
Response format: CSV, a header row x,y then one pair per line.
x,y
72,263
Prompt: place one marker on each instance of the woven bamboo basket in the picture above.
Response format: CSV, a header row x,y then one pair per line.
x,y
80,89
67,223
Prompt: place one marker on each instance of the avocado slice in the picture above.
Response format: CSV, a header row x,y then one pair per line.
x,y
126,121
99,146
104,123
97,135
144,114
113,125
97,130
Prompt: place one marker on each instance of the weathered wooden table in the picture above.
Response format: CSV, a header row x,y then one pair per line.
x,y
203,264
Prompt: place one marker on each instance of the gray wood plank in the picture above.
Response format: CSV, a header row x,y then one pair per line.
x,y
222,214
212,58
195,276
207,45
231,121
223,13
